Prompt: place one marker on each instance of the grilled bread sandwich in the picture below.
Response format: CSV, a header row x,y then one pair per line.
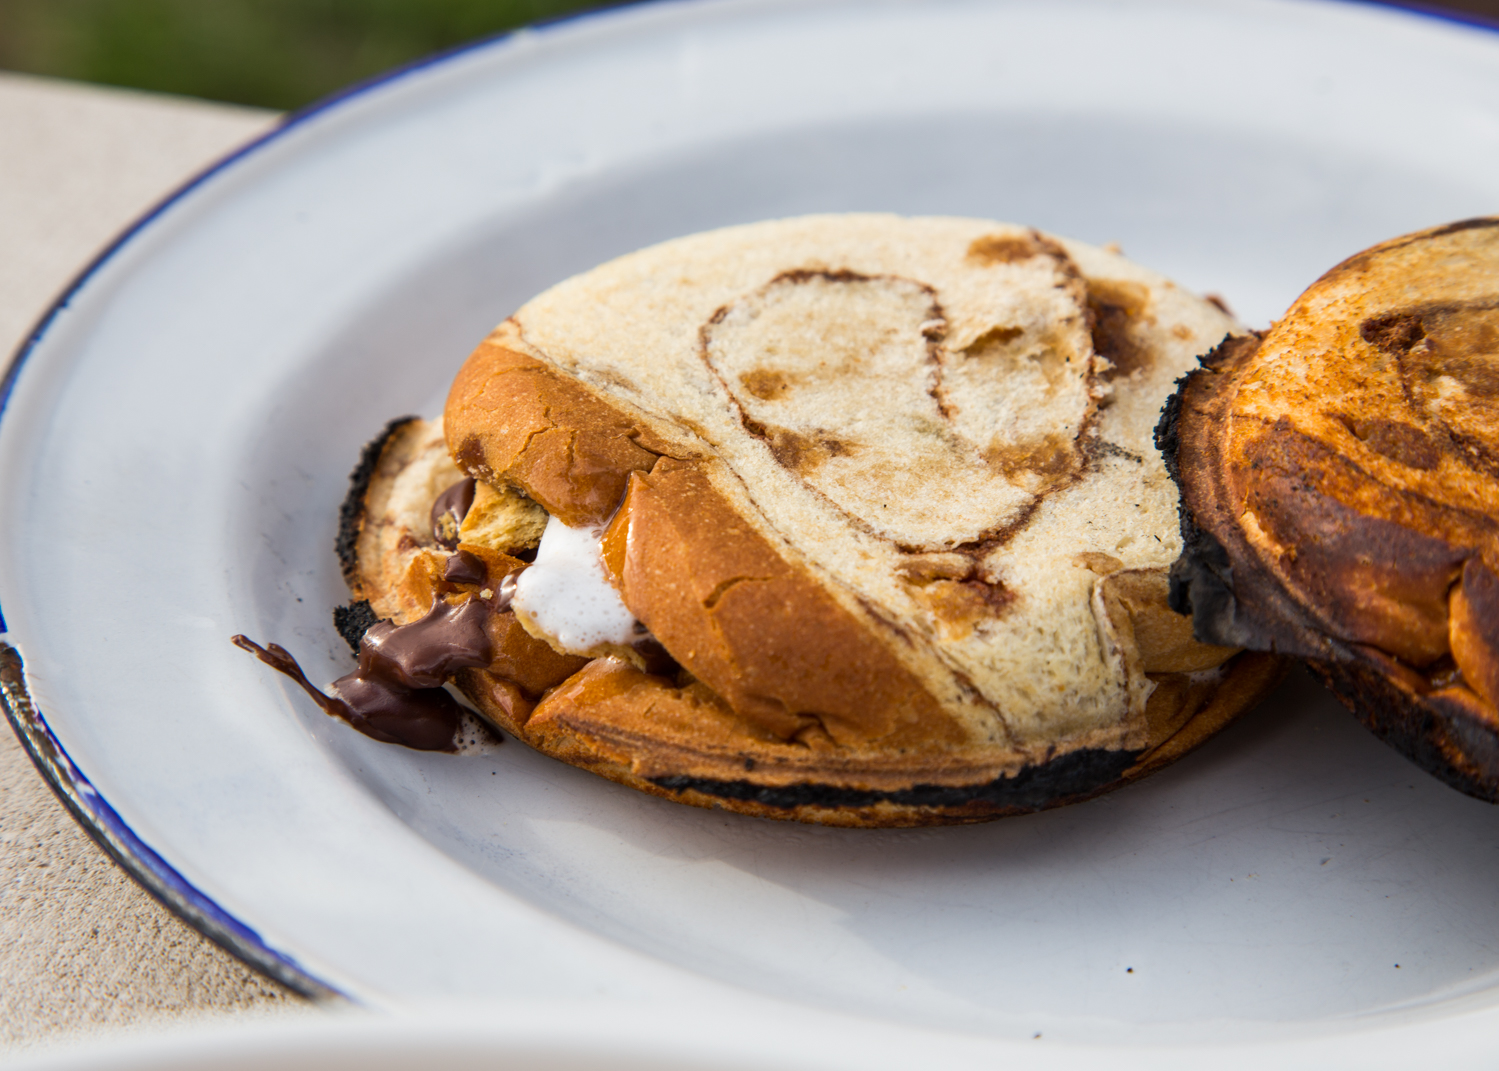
x,y
852,519
1340,488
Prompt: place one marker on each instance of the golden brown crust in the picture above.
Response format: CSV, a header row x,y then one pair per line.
x,y
761,633
1185,710
1475,630
1136,599
706,584
1338,500
513,420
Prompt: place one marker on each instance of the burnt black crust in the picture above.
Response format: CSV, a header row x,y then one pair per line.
x,y
1168,427
1437,736
1202,584
353,621
1079,773
351,512
1202,578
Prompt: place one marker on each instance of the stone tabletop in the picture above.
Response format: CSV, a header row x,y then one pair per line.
x,y
82,947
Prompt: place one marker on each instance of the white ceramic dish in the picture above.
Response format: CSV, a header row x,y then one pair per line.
x,y
175,441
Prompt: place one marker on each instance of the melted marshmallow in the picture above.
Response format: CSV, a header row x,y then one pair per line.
x,y
566,596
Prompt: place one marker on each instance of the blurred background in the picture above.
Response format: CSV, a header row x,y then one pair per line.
x,y
268,53
277,53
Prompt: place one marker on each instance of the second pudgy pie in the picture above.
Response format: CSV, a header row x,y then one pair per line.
x,y
874,501
1340,484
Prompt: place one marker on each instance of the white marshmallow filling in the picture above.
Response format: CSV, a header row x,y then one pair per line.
x,y
565,595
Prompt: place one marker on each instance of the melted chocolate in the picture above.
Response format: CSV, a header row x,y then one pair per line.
x,y
396,694
426,720
465,568
657,659
450,509
425,653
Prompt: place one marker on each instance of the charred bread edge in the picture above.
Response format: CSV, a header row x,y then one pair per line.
x,y
1431,730
1069,778
351,510
354,619
1202,578
1066,778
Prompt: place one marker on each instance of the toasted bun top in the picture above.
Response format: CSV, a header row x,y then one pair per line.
x,y
868,471
1350,463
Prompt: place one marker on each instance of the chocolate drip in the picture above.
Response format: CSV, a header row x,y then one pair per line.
x,y
396,694
426,720
450,509
465,567
425,653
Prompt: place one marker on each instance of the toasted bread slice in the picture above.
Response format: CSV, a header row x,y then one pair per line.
x,y
1340,482
885,491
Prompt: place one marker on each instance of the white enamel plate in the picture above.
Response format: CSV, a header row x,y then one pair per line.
x,y
175,442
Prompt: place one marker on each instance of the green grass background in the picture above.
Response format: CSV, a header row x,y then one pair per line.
x,y
271,53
